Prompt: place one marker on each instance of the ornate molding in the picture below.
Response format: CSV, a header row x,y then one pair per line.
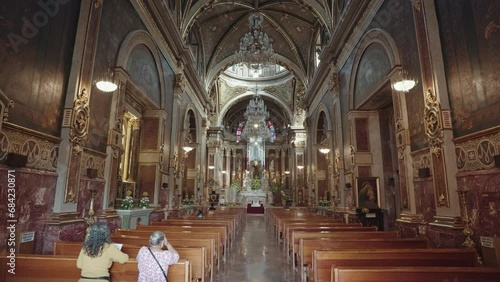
x,y
78,134
92,160
433,122
180,81
42,152
333,82
478,154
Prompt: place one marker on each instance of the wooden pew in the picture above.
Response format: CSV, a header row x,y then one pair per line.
x,y
307,246
323,260
208,244
200,264
49,268
293,245
317,220
416,274
186,225
172,234
314,227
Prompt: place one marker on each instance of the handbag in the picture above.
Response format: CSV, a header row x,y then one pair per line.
x,y
163,271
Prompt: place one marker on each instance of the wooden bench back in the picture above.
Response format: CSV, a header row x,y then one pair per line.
x,y
322,261
416,274
307,246
352,232
49,268
197,255
173,234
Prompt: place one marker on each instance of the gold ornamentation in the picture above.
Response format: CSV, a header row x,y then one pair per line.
x,y
468,232
97,4
90,219
433,123
78,134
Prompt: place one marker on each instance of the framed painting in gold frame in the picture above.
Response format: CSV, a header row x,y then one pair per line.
x,y
367,192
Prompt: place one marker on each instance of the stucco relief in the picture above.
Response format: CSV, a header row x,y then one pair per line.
x,y
42,153
228,91
478,153
92,160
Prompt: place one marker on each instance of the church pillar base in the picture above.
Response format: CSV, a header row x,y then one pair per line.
x,y
411,225
68,226
446,232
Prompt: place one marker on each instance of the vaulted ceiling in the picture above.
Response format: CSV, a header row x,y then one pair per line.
x,y
211,31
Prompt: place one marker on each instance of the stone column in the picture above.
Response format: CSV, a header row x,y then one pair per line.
x,y
405,194
74,131
174,169
114,142
437,124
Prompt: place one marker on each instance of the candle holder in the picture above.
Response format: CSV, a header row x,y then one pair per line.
x,y
468,232
90,218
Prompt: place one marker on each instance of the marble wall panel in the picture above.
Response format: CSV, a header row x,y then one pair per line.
x,y
483,201
35,192
424,198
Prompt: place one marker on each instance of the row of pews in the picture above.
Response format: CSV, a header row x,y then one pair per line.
x,y
325,249
202,245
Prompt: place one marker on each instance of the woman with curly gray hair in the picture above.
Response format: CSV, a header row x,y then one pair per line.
x,y
98,254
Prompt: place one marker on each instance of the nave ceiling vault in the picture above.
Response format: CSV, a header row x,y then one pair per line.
x,y
211,30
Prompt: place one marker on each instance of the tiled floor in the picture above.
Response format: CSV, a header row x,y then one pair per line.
x,y
256,257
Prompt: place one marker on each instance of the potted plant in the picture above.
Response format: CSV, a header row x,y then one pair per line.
x,y
275,187
236,186
128,202
255,184
144,202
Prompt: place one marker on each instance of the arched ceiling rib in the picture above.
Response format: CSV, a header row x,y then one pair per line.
x,y
290,23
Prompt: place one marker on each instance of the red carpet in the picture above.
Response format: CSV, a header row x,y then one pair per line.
x,y
259,210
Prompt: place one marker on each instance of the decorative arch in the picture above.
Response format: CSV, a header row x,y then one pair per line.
x,y
132,40
222,65
321,109
234,100
373,36
191,107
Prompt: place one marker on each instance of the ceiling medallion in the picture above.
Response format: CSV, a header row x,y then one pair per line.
x,y
256,47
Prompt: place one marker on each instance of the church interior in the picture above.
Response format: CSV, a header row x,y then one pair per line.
x,y
374,114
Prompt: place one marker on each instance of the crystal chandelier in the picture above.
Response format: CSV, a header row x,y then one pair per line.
x,y
256,116
256,47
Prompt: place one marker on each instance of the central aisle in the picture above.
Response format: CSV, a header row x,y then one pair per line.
x,y
256,257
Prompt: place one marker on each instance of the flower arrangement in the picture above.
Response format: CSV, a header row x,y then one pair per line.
x,y
128,202
255,185
144,202
323,203
236,186
187,201
275,187
365,210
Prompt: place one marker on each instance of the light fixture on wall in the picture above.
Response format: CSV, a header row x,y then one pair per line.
x,y
324,151
106,82
211,167
287,172
187,149
300,166
405,83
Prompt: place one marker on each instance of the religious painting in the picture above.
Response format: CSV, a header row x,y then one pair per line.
x,y
367,192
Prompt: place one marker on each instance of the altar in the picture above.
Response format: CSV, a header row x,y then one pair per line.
x,y
253,197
